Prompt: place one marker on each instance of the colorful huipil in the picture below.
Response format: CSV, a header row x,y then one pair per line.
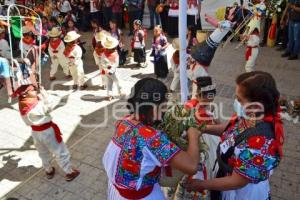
x,y
253,159
55,49
138,46
133,160
72,58
46,134
160,56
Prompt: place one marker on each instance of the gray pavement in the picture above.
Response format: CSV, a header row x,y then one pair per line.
x,y
20,173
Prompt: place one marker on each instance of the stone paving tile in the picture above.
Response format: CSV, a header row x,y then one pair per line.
x,y
86,155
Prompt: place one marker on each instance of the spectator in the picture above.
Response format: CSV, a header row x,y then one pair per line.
x,y
134,12
70,16
117,33
55,11
293,10
52,22
164,15
71,26
193,13
173,18
64,6
117,12
159,45
138,44
95,11
96,29
107,12
153,14
83,16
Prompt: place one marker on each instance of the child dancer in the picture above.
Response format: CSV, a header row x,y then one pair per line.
x,y
159,46
35,111
56,49
72,56
118,34
252,50
98,53
138,44
110,61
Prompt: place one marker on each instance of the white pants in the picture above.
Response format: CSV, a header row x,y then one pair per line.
x,y
102,79
250,64
54,66
175,81
47,146
77,73
110,80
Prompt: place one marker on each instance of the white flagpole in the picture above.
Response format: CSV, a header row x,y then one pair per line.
x,y
183,45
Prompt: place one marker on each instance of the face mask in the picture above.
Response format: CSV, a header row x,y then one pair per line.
x,y
239,109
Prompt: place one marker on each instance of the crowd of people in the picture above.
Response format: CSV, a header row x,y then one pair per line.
x,y
247,148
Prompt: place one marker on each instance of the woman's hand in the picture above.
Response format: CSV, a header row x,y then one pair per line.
x,y
193,133
194,185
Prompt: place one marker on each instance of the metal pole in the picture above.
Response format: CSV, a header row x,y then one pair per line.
x,y
183,45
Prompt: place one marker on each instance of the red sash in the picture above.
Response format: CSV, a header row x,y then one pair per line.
x,y
134,194
49,125
249,52
69,49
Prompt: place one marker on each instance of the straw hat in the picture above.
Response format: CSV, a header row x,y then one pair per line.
x,y
100,36
26,29
71,36
201,36
55,32
175,44
110,42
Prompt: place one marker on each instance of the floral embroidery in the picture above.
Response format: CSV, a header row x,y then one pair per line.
x,y
255,158
132,138
258,160
256,142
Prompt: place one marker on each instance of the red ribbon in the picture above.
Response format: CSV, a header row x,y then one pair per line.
x,y
279,132
49,125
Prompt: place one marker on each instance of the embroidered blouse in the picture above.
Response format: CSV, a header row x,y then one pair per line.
x,y
135,155
254,158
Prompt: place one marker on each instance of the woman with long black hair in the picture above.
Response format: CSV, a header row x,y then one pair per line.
x,y
137,152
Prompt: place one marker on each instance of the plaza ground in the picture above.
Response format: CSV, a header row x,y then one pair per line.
x,y
81,116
